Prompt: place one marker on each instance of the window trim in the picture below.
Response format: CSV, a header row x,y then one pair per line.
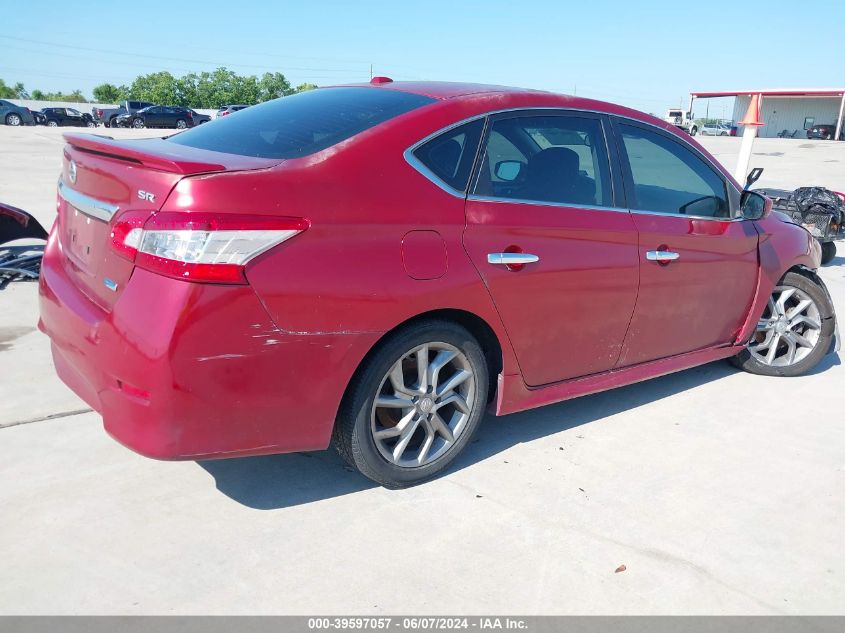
x,y
625,168
616,189
614,156
421,167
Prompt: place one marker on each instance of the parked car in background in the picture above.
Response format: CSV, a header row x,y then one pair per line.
x,y
508,261
163,116
199,119
11,114
714,129
62,117
229,109
824,132
106,116
682,120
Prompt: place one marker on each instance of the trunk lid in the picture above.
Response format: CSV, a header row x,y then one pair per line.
x,y
105,180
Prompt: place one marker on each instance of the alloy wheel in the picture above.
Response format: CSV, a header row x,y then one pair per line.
x,y
789,329
423,405
52,124
13,119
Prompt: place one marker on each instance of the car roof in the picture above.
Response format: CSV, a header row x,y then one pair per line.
x,y
443,89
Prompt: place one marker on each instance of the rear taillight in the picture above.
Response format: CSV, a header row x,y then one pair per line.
x,y
224,113
202,247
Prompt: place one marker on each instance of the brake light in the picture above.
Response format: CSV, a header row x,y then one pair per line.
x,y
841,196
202,247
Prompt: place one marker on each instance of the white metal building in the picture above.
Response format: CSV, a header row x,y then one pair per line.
x,y
787,109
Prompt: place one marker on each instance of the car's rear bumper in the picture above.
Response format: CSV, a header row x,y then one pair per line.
x,y
182,371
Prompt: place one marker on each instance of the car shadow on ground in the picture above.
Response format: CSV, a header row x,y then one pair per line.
x,y
280,481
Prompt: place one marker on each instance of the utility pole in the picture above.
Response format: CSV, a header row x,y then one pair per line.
x,y
371,71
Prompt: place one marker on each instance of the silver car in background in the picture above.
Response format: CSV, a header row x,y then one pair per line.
x,y
714,129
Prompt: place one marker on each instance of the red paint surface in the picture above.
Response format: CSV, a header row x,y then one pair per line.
x,y
262,367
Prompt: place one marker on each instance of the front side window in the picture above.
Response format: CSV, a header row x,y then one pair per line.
x,y
301,124
669,178
558,159
450,155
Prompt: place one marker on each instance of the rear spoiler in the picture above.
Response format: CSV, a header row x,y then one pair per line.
x,y
154,153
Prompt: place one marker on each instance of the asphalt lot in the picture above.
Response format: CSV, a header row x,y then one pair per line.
x,y
721,492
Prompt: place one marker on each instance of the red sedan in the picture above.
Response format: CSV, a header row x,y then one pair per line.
x,y
378,265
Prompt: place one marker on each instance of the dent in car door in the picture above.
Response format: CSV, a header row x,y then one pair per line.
x,y
566,313
699,294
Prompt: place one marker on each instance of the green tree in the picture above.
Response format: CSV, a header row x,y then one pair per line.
x,y
157,87
38,95
273,86
6,92
107,93
20,91
306,86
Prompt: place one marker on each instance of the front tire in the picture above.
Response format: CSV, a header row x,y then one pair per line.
x,y
138,124
52,124
828,252
794,333
693,131
414,405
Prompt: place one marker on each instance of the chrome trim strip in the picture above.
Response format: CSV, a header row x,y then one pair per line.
x,y
544,203
669,214
89,206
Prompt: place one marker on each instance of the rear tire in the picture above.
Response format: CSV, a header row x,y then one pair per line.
x,y
828,252
13,119
794,332
399,425
181,124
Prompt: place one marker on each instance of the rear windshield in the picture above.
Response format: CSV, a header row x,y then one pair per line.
x,y
301,124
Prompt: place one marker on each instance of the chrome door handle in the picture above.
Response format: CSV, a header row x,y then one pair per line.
x,y
511,259
661,256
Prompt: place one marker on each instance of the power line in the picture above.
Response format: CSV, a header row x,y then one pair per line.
x,y
171,59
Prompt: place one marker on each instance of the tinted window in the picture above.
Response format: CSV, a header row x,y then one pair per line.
x,y
669,178
450,155
561,159
301,124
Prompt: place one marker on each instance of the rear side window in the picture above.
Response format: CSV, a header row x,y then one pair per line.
x,y
547,158
669,178
450,156
301,124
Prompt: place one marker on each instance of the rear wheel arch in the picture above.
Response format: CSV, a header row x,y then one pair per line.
x,y
475,325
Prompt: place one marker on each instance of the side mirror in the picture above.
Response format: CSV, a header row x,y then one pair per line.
x,y
508,170
755,206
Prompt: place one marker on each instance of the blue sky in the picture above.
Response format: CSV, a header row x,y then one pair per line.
x,y
647,55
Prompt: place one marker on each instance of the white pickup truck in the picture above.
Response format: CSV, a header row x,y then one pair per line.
x,y
681,119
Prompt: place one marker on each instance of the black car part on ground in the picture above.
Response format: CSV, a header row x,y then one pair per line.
x,y
819,210
19,263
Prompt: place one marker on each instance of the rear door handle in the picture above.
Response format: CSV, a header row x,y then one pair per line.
x,y
661,256
511,259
